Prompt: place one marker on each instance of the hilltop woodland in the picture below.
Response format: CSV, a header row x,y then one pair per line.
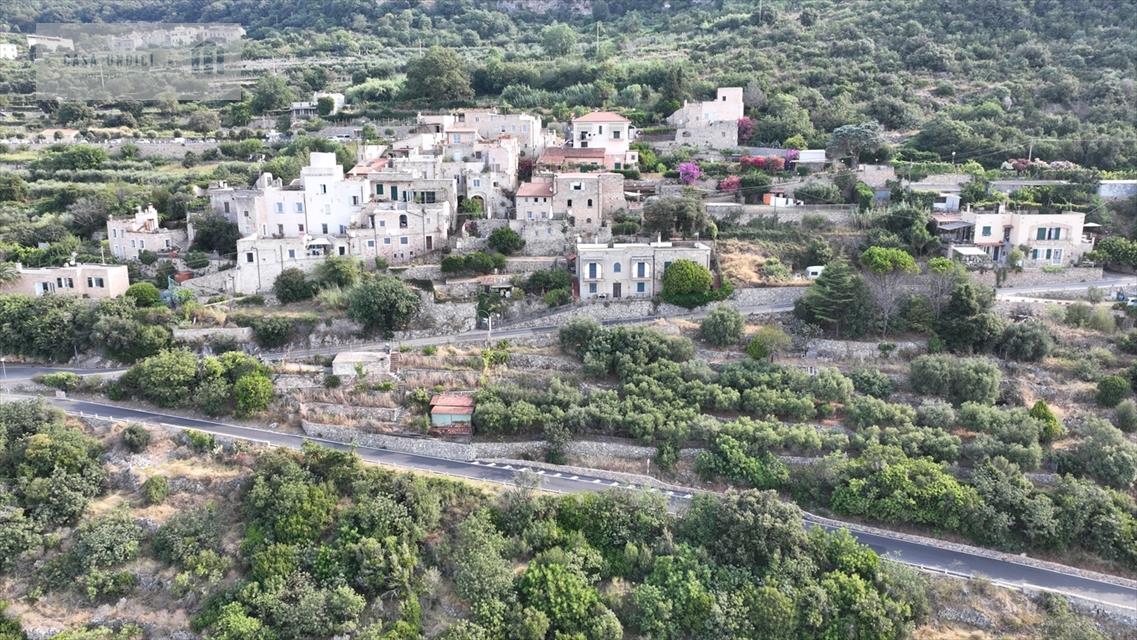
x,y
983,79
311,544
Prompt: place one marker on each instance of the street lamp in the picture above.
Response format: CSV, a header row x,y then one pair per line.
x,y
953,158
4,373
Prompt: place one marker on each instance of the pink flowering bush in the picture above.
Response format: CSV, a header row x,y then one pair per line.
x,y
745,129
689,172
792,155
752,162
730,184
775,163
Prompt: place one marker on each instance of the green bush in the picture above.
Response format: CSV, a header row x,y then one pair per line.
x,y
767,342
197,260
429,350
256,300
1053,428
382,303
505,241
935,414
687,284
476,262
136,437
557,297
272,332
723,326
292,285
332,381
872,382
156,489
1112,390
200,441
956,379
1125,415
253,393
144,295
63,380
1027,341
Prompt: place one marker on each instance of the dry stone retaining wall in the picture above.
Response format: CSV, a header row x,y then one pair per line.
x,y
1038,277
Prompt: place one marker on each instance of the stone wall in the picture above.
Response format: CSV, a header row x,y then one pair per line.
x,y
372,416
851,350
839,215
479,450
712,135
599,310
751,297
1038,277
198,336
750,300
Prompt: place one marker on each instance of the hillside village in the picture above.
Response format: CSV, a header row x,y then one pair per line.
x,y
330,361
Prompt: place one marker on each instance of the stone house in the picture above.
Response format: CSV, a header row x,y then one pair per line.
x,y
713,123
129,236
627,270
585,200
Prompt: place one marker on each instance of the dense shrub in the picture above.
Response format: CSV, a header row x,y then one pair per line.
x,y
144,295
292,285
1111,390
382,303
935,414
1125,415
767,342
1104,454
956,379
476,262
723,326
63,380
136,437
272,332
155,490
1027,341
689,284
867,411
505,241
252,393
872,382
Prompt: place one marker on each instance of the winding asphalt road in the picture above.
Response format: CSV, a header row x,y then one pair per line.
x,y
1100,592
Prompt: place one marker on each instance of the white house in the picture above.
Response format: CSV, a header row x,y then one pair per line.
x,y
1045,238
307,109
609,131
86,280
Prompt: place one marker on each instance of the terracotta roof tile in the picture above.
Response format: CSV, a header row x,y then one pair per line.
x,y
601,116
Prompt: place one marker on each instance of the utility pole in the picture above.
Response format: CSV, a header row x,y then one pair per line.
x,y
1030,151
597,54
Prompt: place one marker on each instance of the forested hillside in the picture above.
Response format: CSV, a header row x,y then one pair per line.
x,y
982,78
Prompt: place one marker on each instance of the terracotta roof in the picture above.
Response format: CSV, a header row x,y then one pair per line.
x,y
452,400
559,155
535,189
451,411
601,116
